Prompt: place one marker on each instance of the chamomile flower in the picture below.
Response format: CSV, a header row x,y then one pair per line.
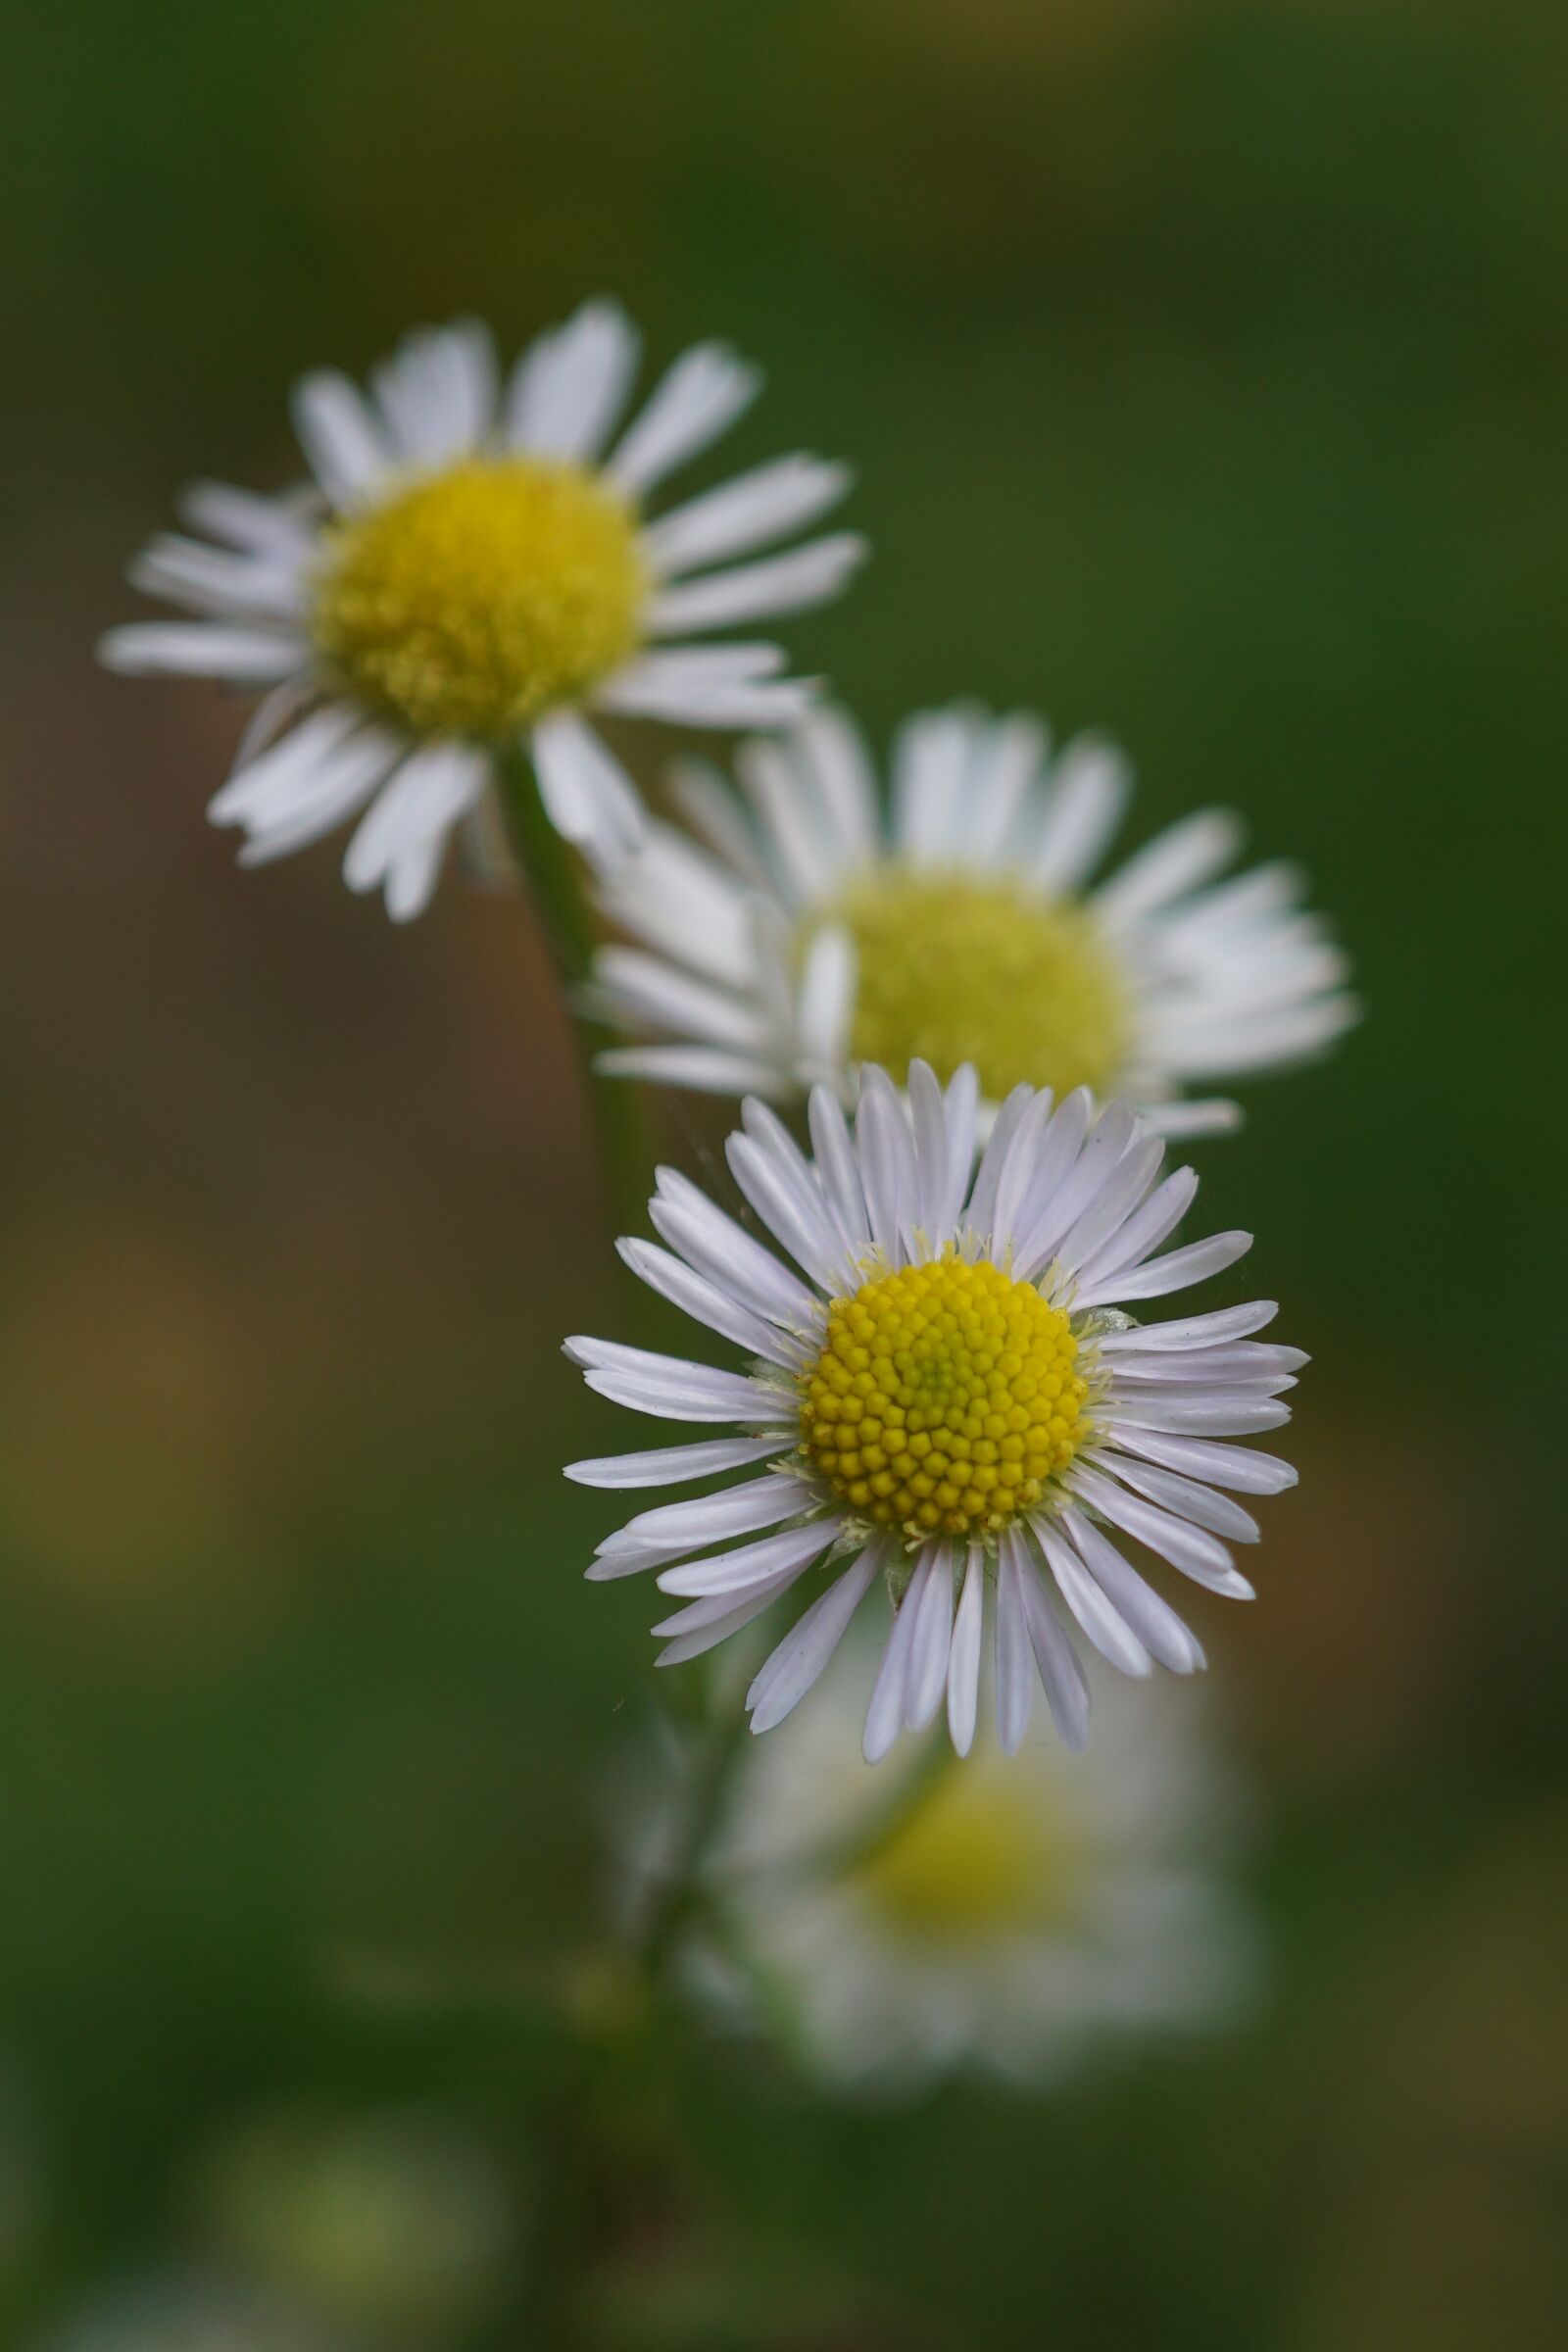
x,y
792,935
947,1397
473,569
1017,1918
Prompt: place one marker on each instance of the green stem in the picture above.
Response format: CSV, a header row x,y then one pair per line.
x,y
554,875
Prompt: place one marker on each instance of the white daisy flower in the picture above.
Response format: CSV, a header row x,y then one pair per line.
x,y
951,1401
473,571
1017,1918
788,937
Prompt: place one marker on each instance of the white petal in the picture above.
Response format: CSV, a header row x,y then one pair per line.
x,y
1016,1674
416,809
706,1069
346,449
670,1465
217,581
1174,861
262,527
886,1152
690,688
1173,1272
885,1716
1089,791
674,1529
702,395
1150,1225
438,391
799,1224
570,388
826,1001
1110,1635
697,1298
1157,1624
836,757
646,992
791,1668
1223,1413
1239,1467
728,1255
1066,1691
746,512
791,583
195,649
587,794
1184,1496
693,1646
964,1655
1192,1549
932,1637
750,1564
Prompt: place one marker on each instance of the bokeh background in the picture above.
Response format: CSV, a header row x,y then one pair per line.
x,y
1207,366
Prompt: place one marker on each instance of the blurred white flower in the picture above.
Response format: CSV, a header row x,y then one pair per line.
x,y
471,569
951,1401
1017,1917
795,933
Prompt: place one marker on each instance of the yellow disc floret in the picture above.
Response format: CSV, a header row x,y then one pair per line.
x,y
944,1400
473,599
954,968
979,1857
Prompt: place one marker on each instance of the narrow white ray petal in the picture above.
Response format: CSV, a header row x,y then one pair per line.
x,y
1089,791
1157,1276
1113,1135
1285,1035
718,1608
799,1224
674,687
1014,1667
322,799
676,898
696,401
409,883
789,1671
1244,1363
1007,767
279,706
886,1153
1226,1323
1174,861
963,1107
744,513
344,446
710,807
884,1717
706,1069
1103,1625
199,649
964,1655
438,391
1184,1495
1154,1622
693,1646
789,819
825,1004
570,388
1108,1211
1227,1413
283,775
674,1529
1239,1467
673,1389
1143,1231
930,757
929,1644
669,1465
836,756
1032,1199
980,1214
423,801
837,1169
1192,1549
729,1256
789,583
1063,1678
587,794
697,1298
1178,1122
217,581
262,527
750,1564
928,1113
646,992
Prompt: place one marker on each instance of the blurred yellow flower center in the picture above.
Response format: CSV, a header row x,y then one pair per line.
x,y
976,1858
475,599
955,969
943,1399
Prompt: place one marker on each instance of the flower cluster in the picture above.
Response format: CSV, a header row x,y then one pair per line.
x,y
959,1055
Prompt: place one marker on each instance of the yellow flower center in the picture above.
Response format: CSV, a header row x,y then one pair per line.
x,y
977,1857
943,1399
475,599
955,969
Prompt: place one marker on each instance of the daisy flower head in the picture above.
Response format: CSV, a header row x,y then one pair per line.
x,y
794,931
473,569
947,1396
1018,1918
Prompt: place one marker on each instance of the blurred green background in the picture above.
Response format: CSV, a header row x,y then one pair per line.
x,y
1206,366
